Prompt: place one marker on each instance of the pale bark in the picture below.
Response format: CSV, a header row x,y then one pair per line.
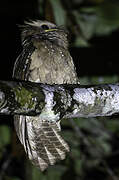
x,y
58,101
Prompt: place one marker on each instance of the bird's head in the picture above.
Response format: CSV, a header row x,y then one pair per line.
x,y
46,31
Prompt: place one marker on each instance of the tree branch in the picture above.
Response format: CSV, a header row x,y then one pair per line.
x,y
58,101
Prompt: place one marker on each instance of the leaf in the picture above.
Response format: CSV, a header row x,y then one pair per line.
x,y
96,21
99,20
59,12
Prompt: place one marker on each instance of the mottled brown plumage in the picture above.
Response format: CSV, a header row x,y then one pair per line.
x,y
45,58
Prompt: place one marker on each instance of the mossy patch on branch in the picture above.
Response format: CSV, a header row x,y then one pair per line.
x,y
24,98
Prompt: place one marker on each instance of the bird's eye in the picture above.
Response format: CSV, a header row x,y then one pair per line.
x,y
44,27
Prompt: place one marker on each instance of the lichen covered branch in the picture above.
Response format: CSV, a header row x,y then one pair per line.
x,y
58,101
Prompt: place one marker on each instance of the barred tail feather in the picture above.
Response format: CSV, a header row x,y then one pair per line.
x,y
42,142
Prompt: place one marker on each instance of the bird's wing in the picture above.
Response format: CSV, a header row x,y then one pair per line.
x,y
43,143
23,61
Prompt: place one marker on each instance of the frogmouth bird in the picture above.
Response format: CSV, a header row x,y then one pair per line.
x,y
44,59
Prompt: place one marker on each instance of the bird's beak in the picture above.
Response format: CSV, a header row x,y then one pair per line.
x,y
48,30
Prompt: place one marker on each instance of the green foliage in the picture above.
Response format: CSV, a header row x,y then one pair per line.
x,y
53,173
99,18
96,21
59,12
99,79
89,143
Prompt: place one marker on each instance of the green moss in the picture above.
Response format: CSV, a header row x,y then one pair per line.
x,y
24,98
